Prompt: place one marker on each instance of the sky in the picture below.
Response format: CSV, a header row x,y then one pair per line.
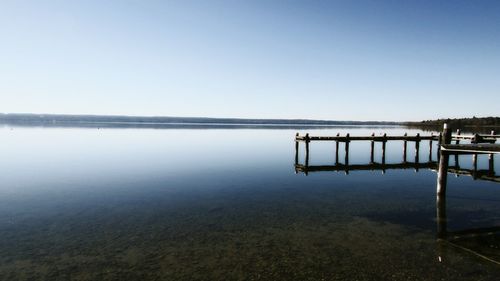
x,y
337,60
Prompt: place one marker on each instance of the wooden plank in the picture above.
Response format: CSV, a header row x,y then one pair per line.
x,y
471,148
366,138
468,137
455,137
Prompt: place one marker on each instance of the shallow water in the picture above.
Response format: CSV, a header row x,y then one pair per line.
x,y
226,204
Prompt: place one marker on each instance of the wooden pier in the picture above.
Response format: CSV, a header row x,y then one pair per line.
x,y
372,139
479,144
475,145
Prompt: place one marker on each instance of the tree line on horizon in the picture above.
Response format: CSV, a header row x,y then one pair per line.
x,y
459,123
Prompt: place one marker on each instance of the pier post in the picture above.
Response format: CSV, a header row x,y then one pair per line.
x,y
296,149
430,148
443,162
491,165
372,147
347,149
443,158
307,140
457,165
438,150
441,216
417,147
474,165
405,142
384,141
337,150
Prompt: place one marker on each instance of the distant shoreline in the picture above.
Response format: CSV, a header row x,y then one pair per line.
x,y
59,120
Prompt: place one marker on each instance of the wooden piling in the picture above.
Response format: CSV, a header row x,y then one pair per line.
x,y
417,147
404,148
347,150
372,148
337,150
443,162
296,149
441,216
307,140
491,164
417,150
430,149
384,141
474,165
457,165
438,150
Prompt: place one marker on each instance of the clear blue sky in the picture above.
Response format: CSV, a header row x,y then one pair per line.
x,y
348,60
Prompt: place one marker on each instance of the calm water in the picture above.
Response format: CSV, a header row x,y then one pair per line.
x,y
226,204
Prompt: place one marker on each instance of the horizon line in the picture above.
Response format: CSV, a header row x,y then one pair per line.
x,y
200,117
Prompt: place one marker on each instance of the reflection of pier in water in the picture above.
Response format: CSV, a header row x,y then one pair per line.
x,y
482,174
462,239
364,167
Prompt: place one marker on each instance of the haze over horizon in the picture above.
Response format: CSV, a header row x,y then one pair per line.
x,y
328,60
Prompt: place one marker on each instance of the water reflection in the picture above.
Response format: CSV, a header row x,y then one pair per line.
x,y
364,167
475,241
479,174
479,242
84,204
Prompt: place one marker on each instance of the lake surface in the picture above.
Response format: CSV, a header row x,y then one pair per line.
x,y
226,204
